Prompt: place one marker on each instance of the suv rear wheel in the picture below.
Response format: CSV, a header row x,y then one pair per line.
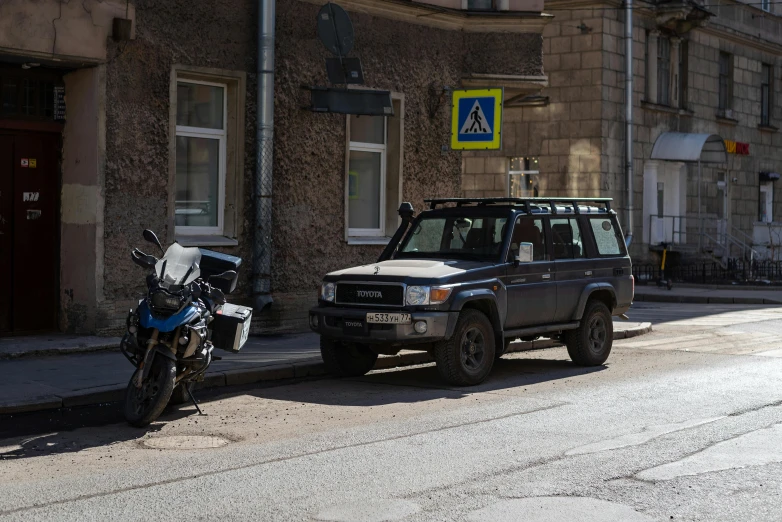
x,y
590,344
468,356
346,359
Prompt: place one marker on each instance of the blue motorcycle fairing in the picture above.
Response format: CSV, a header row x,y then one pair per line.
x,y
169,324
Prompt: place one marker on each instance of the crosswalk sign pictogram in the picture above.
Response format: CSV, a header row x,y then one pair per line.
x,y
476,120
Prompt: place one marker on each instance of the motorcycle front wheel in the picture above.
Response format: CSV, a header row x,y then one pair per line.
x,y
144,405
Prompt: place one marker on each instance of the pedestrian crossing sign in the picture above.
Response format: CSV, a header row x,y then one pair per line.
x,y
476,119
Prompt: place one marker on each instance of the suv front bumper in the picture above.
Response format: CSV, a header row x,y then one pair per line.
x,y
329,322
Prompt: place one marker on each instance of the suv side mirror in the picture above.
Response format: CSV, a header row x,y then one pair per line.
x,y
525,253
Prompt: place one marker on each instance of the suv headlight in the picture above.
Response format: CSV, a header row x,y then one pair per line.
x,y
417,295
425,295
328,292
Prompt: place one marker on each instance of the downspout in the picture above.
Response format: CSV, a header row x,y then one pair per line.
x,y
629,116
264,158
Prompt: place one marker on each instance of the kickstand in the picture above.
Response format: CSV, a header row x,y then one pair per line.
x,y
190,394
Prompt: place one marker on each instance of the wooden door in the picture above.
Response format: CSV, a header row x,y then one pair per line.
x,y
30,241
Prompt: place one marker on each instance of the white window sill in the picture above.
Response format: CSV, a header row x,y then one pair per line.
x,y
368,240
203,241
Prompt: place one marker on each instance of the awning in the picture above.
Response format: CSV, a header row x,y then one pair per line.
x,y
689,148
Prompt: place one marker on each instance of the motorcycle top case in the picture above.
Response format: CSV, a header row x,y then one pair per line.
x,y
231,327
213,263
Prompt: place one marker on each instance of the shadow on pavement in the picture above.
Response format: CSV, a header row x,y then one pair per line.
x,y
423,383
37,435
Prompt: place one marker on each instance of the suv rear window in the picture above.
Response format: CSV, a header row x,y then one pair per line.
x,y
607,237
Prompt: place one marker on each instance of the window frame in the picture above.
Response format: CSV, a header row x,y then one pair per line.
x,y
765,5
359,146
728,83
524,172
664,71
766,93
220,135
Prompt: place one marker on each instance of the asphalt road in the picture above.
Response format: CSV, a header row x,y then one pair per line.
x,y
681,424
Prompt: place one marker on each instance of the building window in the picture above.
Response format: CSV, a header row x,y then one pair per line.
x,y
766,5
373,181
766,85
367,176
684,59
522,174
206,155
766,202
200,157
663,71
725,84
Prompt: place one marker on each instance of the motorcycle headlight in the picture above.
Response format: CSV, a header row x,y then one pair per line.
x,y
328,292
417,295
163,301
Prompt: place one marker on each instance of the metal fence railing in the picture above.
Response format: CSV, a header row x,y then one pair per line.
x,y
712,272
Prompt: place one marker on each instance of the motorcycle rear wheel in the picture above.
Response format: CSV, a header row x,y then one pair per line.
x,y
144,405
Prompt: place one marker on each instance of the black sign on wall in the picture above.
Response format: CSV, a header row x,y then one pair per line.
x,y
59,103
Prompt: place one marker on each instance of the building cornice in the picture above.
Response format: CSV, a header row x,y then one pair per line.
x,y
741,38
448,19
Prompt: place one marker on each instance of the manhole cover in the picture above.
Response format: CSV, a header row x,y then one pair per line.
x,y
185,442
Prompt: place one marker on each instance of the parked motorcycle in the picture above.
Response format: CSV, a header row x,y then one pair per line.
x,y
173,331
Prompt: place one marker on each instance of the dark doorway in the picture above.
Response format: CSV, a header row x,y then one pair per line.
x,y
29,238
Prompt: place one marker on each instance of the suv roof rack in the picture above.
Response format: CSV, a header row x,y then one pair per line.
x,y
527,203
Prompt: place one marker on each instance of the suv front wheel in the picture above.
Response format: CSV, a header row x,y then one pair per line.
x,y
346,359
468,356
590,343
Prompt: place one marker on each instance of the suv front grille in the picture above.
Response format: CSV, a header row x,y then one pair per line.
x,y
370,294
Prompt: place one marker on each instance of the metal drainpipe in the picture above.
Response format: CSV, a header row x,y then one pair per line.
x,y
629,116
264,158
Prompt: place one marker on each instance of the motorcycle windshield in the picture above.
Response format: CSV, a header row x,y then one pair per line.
x,y
180,265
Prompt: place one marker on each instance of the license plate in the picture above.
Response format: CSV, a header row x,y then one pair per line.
x,y
375,318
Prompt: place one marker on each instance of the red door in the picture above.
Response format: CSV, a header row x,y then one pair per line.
x,y
29,239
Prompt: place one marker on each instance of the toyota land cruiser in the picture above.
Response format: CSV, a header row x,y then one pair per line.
x,y
466,277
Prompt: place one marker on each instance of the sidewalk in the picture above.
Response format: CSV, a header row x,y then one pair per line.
x,y
704,295
44,383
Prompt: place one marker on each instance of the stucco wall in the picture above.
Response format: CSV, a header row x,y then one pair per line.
x,y
137,114
309,151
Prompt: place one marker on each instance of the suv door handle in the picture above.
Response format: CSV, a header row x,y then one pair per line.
x,y
588,273
546,276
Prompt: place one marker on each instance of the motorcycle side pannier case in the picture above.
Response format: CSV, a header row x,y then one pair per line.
x,y
231,327
213,263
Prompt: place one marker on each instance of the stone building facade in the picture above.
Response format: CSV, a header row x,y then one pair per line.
x,y
698,69
159,132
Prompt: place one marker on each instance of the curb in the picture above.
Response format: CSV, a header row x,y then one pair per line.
x,y
693,299
313,367
111,344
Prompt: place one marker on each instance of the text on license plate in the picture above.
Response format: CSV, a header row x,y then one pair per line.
x,y
388,318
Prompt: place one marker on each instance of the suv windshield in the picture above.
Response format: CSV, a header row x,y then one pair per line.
x,y
460,237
